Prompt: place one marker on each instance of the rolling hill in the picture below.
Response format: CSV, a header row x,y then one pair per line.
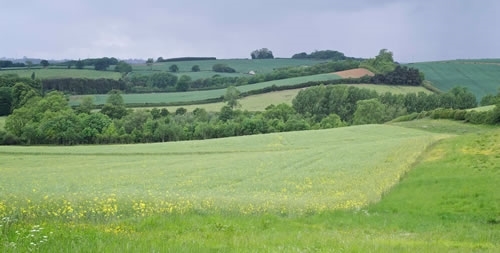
x,y
481,77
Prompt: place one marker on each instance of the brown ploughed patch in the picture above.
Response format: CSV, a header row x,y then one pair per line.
x,y
354,73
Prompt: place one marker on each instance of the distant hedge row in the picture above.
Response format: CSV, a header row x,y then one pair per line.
x,y
83,86
186,59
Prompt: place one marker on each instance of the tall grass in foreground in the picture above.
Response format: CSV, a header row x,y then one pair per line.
x,y
447,203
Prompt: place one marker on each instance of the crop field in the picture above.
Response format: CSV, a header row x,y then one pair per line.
x,y
261,101
242,66
348,189
482,108
276,173
63,73
479,78
203,95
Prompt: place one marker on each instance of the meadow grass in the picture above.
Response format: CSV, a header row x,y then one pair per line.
x,y
51,73
447,202
482,108
479,78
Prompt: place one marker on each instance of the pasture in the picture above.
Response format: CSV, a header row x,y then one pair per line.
x,y
52,73
192,96
373,188
481,78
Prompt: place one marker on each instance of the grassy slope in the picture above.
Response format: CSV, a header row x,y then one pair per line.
x,y
275,172
448,202
261,101
203,95
64,73
482,108
481,78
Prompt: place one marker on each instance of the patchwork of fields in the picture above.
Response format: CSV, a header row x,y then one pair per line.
x,y
481,78
242,66
203,95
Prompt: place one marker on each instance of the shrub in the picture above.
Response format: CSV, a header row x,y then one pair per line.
x,y
222,68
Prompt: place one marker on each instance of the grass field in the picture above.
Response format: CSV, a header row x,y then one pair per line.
x,y
479,78
261,101
63,73
483,108
288,192
242,66
202,95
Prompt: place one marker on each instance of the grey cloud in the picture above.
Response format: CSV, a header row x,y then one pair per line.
x,y
414,30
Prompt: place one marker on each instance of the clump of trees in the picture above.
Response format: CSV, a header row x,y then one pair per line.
x,y
10,64
15,91
263,53
123,67
382,63
322,55
222,68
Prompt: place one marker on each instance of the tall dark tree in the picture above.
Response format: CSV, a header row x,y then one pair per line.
x,y
115,106
44,63
263,53
150,63
173,68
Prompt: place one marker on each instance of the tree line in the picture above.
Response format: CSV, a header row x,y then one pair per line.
x,y
50,120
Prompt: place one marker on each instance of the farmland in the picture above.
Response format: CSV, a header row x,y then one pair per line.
x,y
294,191
481,78
203,95
261,101
51,73
242,66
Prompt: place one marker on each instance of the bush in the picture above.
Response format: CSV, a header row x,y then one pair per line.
x,y
459,115
222,68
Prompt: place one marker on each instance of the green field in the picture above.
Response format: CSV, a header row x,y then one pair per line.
x,y
482,108
242,66
189,96
273,173
261,101
290,192
481,78
63,73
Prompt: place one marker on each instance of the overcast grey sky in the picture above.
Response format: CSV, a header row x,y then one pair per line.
x,y
414,30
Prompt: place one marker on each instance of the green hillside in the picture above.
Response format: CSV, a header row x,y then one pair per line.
x,y
191,96
51,73
481,77
273,173
242,66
